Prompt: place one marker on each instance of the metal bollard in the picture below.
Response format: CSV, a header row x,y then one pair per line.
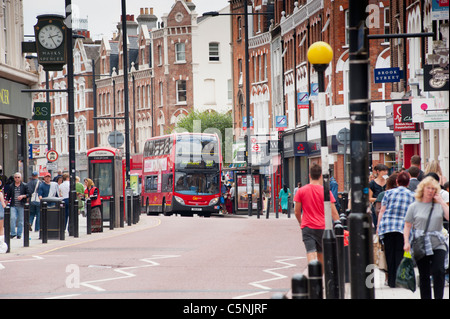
x,y
339,232
276,207
112,213
330,264
121,214
258,208
26,225
88,217
343,220
76,222
62,221
315,284
7,226
279,295
361,255
289,208
299,287
136,209
101,215
44,225
129,209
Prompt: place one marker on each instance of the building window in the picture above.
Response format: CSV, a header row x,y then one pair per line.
x,y
386,22
214,51
181,91
180,53
259,68
239,26
161,94
230,90
255,72
265,67
160,58
240,73
347,26
77,62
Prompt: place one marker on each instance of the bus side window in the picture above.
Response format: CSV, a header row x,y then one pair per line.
x,y
151,184
167,181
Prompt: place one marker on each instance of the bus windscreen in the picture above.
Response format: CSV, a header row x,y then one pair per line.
x,y
197,152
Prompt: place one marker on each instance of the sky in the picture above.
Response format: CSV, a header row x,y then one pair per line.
x,y
103,15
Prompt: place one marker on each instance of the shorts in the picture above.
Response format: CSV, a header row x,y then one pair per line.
x,y
312,238
2,213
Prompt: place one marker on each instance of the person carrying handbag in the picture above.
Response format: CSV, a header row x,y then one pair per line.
x,y
426,217
35,204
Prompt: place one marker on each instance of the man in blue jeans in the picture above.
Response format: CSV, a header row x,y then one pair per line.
x,y
17,196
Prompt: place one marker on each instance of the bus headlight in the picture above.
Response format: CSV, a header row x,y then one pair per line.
x,y
179,200
214,201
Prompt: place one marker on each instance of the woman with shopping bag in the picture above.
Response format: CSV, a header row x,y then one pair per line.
x,y
426,217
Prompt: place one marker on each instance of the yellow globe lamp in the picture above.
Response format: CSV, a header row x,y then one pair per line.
x,y
320,53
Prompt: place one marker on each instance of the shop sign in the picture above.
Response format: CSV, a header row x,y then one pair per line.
x,y
402,123
301,148
410,137
420,107
435,120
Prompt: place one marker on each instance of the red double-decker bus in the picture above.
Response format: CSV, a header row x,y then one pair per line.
x,y
181,174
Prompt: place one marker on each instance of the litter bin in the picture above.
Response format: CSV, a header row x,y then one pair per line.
x,y
54,220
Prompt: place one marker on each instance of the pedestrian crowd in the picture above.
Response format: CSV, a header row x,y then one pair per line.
x,y
413,203
15,193
404,206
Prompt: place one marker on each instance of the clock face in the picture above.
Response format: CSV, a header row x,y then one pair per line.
x,y
50,36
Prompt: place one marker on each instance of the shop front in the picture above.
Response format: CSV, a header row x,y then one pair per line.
x,y
15,110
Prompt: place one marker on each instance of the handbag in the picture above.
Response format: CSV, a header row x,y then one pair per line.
x,y
379,254
35,196
418,243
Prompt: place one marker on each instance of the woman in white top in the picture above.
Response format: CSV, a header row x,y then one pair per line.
x,y
429,202
64,190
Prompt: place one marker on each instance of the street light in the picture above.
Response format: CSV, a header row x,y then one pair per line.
x,y
249,178
320,55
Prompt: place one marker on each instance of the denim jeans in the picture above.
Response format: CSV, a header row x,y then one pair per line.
x,y
35,211
16,217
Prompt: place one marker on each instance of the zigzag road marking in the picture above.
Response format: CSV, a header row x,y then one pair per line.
x,y
19,260
273,272
125,271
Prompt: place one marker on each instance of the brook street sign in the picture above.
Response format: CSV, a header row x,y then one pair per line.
x,y
387,75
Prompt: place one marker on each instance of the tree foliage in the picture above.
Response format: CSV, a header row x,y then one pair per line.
x,y
209,122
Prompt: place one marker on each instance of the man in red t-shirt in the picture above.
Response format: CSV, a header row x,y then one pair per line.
x,y
310,199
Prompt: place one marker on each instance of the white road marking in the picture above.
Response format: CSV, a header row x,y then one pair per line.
x,y
274,273
125,271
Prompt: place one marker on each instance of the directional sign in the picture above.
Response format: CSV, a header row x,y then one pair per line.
x,y
387,75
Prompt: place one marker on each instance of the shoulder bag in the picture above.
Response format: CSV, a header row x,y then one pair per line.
x,y
35,196
418,243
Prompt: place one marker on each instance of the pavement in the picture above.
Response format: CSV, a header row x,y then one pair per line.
x,y
382,291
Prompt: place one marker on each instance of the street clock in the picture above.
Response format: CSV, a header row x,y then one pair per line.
x,y
51,35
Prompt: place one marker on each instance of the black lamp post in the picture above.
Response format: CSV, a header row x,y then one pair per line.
x,y
320,55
